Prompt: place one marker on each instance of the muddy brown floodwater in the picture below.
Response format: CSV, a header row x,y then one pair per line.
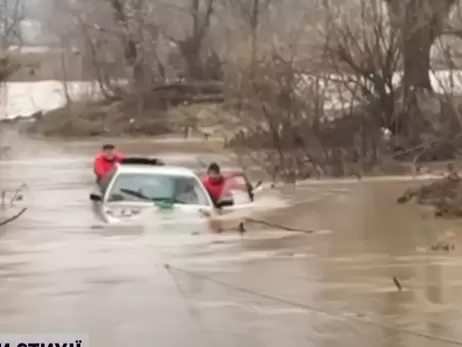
x,y
60,273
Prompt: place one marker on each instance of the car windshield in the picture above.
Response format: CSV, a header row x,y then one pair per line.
x,y
156,187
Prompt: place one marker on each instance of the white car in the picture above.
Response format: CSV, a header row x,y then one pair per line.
x,y
137,184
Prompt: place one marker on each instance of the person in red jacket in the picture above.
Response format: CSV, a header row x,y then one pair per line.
x,y
218,187
105,161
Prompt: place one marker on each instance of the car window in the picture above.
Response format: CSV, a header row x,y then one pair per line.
x,y
156,187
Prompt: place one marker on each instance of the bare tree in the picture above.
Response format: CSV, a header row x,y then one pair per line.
x,y
329,105
315,79
419,23
117,40
364,55
192,40
251,14
11,15
375,49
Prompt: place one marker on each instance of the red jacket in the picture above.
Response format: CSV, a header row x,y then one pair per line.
x,y
215,189
102,166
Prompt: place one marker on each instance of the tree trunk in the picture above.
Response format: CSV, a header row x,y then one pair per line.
x,y
191,51
418,32
416,59
419,23
191,47
254,25
131,51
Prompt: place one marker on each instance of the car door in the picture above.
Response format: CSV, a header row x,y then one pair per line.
x,y
105,181
237,187
240,195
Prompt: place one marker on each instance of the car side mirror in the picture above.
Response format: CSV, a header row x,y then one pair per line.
x,y
95,197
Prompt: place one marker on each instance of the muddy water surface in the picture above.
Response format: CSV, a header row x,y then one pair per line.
x,y
61,272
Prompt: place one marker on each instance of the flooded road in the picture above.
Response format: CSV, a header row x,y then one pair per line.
x,y
61,273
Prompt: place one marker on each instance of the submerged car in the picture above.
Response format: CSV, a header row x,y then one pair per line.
x,y
137,184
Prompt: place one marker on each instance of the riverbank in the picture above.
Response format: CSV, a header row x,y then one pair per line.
x,y
120,118
141,118
187,127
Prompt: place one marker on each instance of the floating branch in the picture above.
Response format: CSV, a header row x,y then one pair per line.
x,y
11,219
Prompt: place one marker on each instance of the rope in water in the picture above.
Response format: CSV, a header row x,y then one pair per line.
x,y
278,226
306,307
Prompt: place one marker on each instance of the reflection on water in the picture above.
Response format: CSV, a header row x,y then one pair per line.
x,y
61,271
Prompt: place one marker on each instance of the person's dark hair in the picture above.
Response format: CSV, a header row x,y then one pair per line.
x,y
108,146
214,167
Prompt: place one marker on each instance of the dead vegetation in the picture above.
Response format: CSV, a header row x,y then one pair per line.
x,y
444,195
316,92
342,110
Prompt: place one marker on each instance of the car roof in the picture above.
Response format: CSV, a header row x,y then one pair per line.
x,y
154,169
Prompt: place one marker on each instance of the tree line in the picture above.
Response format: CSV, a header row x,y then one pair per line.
x,y
316,83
